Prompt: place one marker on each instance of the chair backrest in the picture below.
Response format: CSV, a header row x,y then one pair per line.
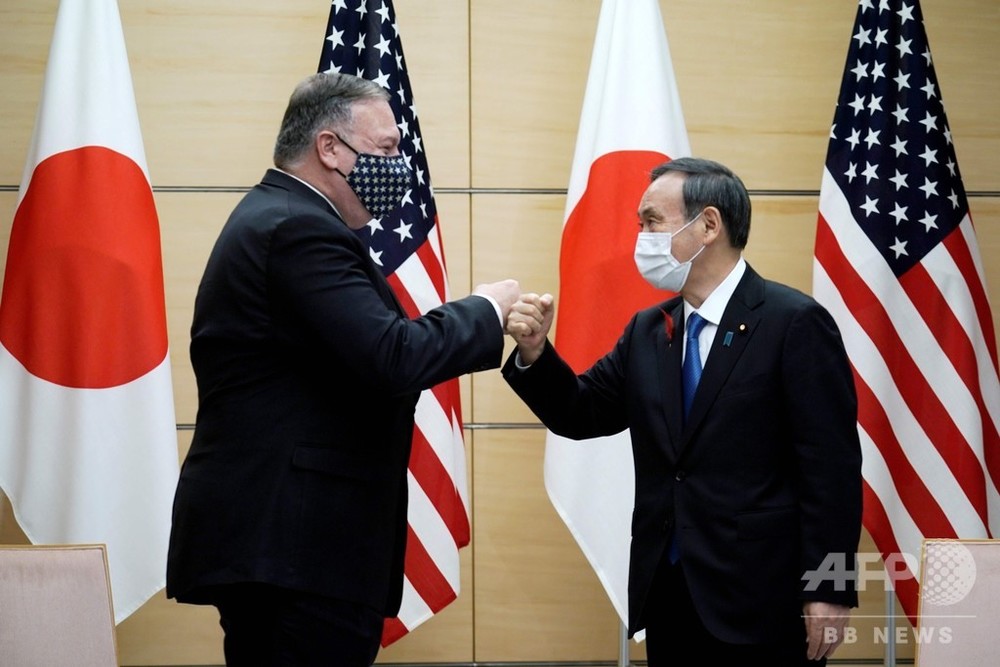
x,y
959,603
55,606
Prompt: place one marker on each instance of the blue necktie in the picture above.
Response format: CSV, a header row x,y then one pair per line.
x,y
690,375
691,371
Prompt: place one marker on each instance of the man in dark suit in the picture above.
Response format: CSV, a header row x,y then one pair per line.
x,y
290,511
742,410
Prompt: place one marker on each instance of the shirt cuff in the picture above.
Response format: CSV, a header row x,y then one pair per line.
x,y
496,307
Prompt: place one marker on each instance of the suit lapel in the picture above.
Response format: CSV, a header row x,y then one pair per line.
x,y
668,361
739,322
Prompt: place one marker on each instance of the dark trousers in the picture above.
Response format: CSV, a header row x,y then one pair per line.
x,y
676,637
268,626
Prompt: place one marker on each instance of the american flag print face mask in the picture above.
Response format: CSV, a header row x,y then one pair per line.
x,y
380,181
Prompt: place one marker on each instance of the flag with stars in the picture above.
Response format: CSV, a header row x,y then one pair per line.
x,y
897,263
362,39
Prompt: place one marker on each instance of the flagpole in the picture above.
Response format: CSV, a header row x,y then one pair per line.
x,y
623,660
890,627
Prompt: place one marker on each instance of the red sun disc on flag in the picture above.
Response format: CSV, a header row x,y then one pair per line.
x,y
83,293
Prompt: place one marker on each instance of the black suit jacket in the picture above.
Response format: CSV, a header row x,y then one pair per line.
x,y
762,481
308,374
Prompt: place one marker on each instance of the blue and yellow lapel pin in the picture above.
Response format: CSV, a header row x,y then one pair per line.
x,y
728,339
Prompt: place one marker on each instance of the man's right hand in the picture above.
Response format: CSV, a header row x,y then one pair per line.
x,y
529,323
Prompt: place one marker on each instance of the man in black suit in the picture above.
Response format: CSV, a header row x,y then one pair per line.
x,y
747,462
290,511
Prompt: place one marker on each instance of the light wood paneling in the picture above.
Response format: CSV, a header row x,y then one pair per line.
x,y
536,598
763,101
8,201
529,71
212,81
455,218
25,33
758,84
435,37
163,631
499,86
986,217
513,236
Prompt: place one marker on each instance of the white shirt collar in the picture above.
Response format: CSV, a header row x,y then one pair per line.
x,y
713,307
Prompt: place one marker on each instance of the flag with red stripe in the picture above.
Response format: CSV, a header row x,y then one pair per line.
x,y
362,39
898,266
631,122
88,441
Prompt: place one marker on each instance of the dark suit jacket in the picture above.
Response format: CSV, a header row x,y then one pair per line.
x,y
762,481
308,373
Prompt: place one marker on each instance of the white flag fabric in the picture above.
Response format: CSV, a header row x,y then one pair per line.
x,y
88,447
631,122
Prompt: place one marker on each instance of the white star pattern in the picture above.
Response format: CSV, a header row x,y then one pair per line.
x,y
336,38
899,212
892,154
363,38
929,187
899,247
854,138
870,206
851,173
899,146
403,230
870,172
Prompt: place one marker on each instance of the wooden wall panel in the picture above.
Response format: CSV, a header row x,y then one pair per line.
x,y
758,84
514,236
212,81
26,30
435,37
529,70
499,86
536,598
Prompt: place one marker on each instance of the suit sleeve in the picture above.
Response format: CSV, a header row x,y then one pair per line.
x,y
320,276
822,416
576,407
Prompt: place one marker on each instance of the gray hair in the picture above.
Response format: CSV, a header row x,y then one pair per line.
x,y
321,101
709,183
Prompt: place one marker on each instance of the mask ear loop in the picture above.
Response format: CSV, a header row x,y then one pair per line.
x,y
353,150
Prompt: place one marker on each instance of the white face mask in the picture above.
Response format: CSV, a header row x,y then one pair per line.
x,y
657,264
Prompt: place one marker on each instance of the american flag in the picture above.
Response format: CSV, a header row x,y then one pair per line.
x,y
362,39
897,263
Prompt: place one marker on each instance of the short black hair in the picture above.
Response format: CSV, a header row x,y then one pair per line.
x,y
709,183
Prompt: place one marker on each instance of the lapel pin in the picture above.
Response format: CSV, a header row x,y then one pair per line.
x,y
728,340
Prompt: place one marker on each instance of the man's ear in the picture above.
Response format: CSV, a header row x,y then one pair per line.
x,y
327,149
714,228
